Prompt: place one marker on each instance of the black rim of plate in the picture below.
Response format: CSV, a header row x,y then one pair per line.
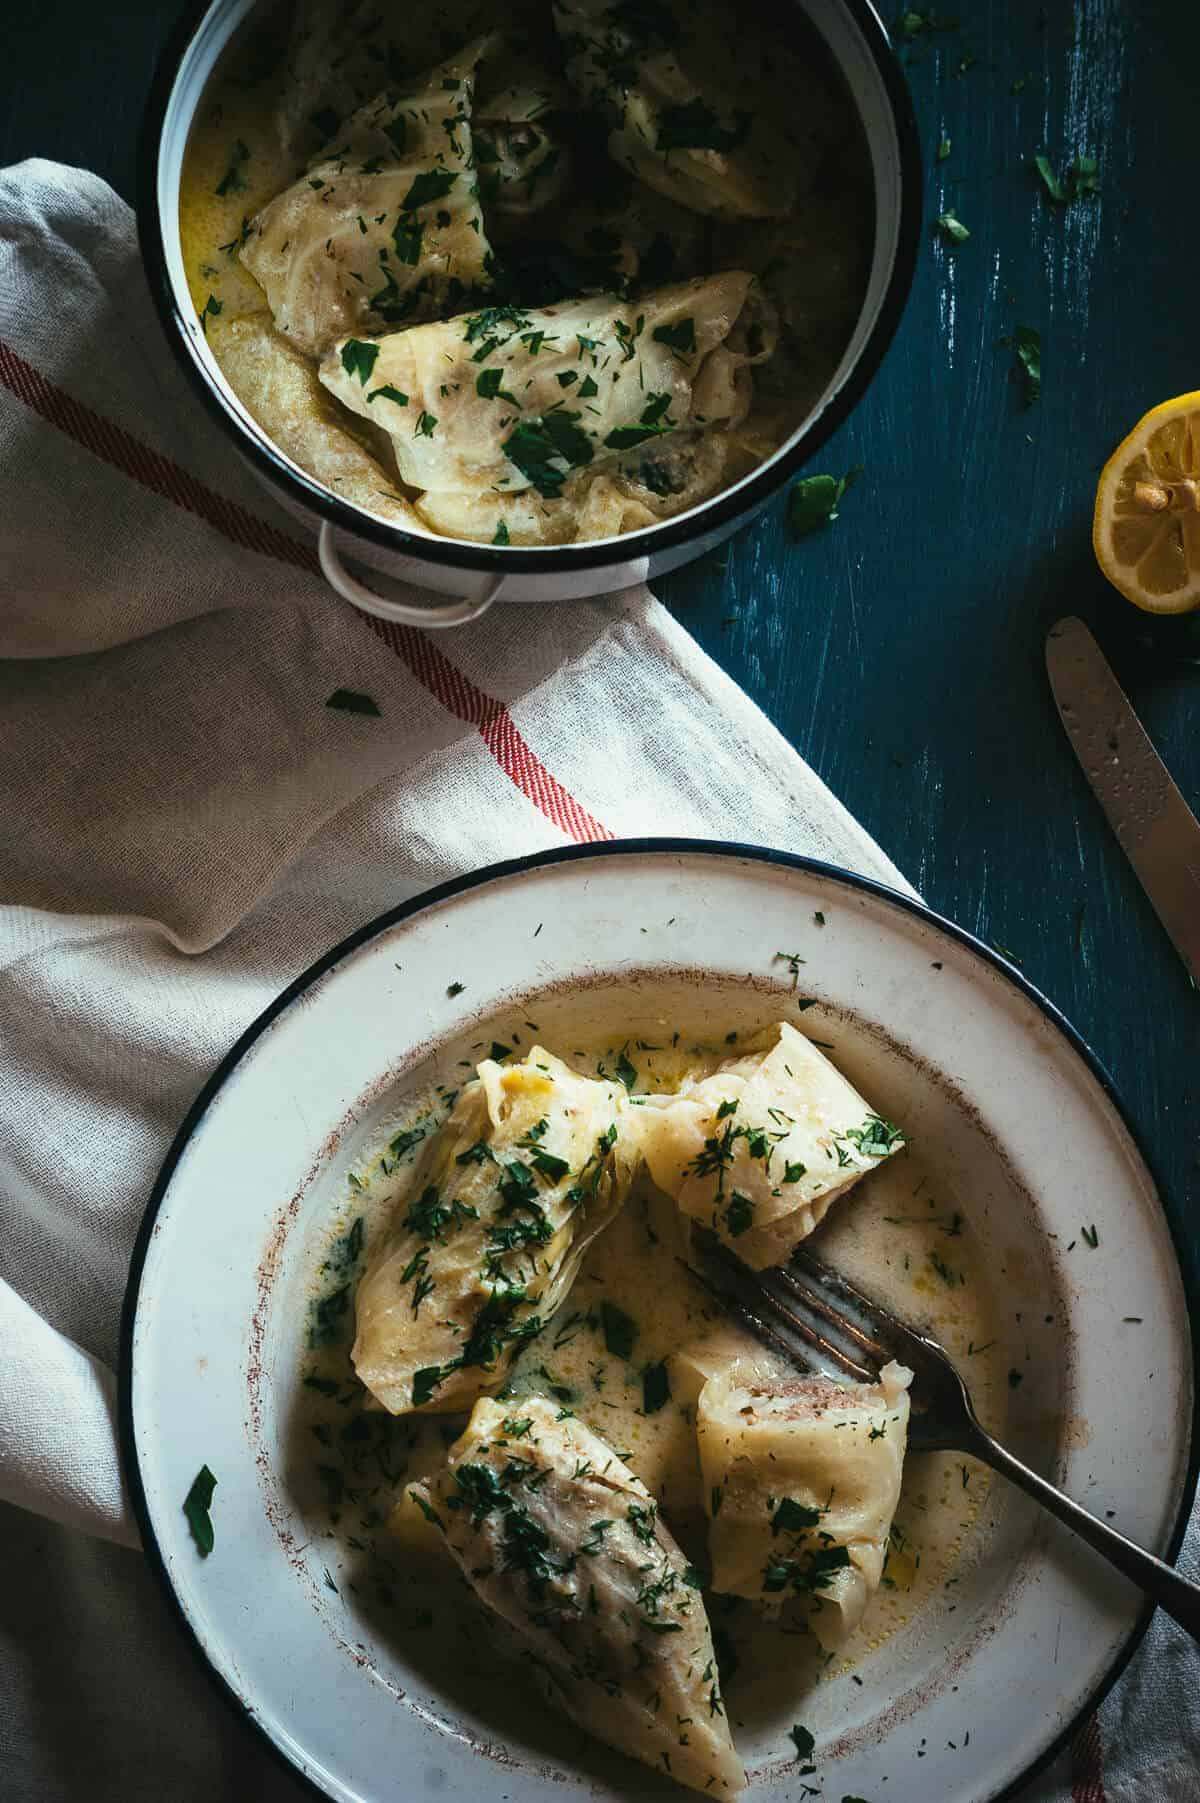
x,y
726,510
665,847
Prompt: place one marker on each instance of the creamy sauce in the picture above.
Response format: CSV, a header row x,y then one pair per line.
x,y
899,1234
812,263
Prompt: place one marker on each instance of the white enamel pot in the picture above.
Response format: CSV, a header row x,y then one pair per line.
x,y
475,576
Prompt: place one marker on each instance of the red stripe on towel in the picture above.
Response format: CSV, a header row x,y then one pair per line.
x,y
431,667
1087,1764
459,696
112,444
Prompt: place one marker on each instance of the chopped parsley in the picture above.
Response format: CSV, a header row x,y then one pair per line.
x,y
426,425
546,450
656,1387
654,421
349,701
695,126
406,236
875,1138
679,337
500,1052
359,358
210,310
620,1330
811,1572
804,1741
792,1517
234,179
1091,1237
739,1215
626,1072
487,384
500,536
430,185
389,394
196,1506
943,150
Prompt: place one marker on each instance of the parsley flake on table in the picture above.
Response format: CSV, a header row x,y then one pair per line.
x,y
952,227
349,701
803,1740
814,501
196,1506
1082,177
1027,342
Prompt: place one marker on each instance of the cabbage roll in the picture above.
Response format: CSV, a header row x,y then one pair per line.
x,y
506,401
564,1543
279,386
682,93
801,1482
759,1149
385,225
488,1235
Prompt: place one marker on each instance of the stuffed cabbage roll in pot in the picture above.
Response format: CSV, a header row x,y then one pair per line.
x,y
508,407
760,1148
682,92
564,1543
385,224
801,1482
487,1237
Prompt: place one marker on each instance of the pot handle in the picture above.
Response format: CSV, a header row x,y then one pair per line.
x,y
445,613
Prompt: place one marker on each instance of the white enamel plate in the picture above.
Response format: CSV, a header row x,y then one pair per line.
x,y
369,1699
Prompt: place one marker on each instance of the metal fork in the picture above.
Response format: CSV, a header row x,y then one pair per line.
x,y
838,1327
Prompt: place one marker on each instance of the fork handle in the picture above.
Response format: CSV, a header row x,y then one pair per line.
x,y
1160,1581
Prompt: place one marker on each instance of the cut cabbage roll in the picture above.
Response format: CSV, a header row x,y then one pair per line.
x,y
485,1242
279,386
385,225
505,401
682,94
759,1149
801,1482
561,1540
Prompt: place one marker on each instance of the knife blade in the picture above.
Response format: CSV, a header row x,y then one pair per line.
x,y
1154,825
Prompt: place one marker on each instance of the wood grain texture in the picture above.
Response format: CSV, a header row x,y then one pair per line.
x,y
901,649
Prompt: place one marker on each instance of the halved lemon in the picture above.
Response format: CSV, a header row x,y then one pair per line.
x,y
1146,530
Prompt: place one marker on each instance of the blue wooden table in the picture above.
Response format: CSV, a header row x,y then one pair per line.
x,y
901,649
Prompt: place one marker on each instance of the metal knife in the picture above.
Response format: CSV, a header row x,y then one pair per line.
x,y
1156,829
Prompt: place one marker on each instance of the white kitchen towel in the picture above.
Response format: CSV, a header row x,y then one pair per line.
x,y
187,826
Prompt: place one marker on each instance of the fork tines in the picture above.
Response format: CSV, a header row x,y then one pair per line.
x,y
785,1308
